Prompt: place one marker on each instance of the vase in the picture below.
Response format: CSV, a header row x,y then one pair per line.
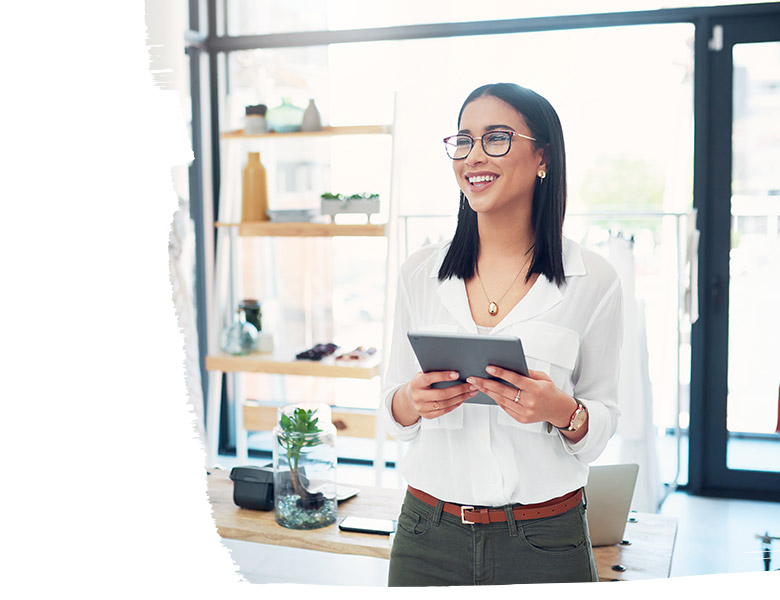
x,y
239,338
311,118
254,190
285,118
304,460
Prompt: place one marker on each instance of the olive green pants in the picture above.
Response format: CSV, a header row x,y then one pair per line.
x,y
434,548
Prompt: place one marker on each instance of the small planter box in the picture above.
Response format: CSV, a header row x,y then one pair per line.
x,y
366,206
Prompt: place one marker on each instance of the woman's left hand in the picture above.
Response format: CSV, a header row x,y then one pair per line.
x,y
532,399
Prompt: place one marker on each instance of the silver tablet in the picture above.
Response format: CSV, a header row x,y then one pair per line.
x,y
469,355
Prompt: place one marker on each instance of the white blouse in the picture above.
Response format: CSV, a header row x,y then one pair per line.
x,y
477,454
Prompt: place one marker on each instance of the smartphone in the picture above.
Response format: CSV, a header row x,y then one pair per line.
x,y
367,525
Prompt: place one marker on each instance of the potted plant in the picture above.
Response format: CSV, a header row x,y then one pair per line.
x,y
334,204
305,467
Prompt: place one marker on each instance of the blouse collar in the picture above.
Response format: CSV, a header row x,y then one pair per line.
x,y
542,296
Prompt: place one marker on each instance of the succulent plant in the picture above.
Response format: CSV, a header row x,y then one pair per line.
x,y
297,433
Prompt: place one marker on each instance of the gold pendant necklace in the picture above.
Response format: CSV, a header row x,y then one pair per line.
x,y
493,306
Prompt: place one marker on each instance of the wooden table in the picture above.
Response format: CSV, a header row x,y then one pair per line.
x,y
649,556
260,526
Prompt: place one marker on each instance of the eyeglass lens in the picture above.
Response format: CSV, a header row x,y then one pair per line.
x,y
494,144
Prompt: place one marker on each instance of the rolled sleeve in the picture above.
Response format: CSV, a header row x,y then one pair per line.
x,y
393,427
401,366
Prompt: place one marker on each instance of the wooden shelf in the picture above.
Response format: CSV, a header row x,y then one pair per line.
x,y
305,229
325,132
288,365
349,422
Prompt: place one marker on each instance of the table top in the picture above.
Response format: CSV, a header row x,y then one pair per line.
x,y
260,526
649,555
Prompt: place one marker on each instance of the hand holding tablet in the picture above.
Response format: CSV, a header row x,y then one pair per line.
x,y
468,355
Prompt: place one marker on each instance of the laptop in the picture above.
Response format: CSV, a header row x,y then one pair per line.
x,y
609,492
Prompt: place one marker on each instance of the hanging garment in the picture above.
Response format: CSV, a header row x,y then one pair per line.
x,y
636,433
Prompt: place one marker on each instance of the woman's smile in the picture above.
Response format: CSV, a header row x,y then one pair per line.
x,y
480,180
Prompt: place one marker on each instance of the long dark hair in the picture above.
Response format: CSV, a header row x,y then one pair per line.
x,y
549,201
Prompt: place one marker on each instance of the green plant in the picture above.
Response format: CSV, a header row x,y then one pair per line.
x,y
344,198
298,432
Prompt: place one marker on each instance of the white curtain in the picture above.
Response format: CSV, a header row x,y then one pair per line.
x,y
181,261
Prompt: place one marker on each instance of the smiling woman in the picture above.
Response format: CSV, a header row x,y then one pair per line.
x,y
565,303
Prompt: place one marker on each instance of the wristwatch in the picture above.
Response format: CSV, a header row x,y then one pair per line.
x,y
577,417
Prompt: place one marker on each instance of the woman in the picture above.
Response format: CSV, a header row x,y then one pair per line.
x,y
522,462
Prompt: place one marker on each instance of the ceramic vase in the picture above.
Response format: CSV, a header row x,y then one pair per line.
x,y
254,190
311,118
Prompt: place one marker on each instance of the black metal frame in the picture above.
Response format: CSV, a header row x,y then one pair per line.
x,y
712,198
708,160
229,43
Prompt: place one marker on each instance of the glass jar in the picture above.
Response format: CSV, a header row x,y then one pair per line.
x,y
253,312
305,467
254,119
239,338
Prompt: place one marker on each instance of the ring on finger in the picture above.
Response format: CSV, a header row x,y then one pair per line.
x,y
435,406
517,396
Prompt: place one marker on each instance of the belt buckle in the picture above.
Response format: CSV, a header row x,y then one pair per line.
x,y
463,520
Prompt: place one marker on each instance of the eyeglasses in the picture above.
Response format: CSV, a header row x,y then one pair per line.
x,y
494,143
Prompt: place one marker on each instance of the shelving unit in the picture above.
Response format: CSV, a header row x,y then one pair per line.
x,y
282,361
239,134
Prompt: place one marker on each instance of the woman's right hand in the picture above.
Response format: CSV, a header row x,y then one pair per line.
x,y
418,399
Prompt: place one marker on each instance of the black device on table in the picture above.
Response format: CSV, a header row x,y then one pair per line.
x,y
368,525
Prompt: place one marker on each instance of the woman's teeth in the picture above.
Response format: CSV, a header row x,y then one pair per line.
x,y
481,179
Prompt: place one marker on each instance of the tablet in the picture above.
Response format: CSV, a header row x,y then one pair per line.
x,y
469,355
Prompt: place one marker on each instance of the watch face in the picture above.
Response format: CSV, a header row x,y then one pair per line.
x,y
579,418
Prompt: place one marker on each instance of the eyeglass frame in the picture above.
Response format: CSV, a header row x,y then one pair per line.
x,y
481,141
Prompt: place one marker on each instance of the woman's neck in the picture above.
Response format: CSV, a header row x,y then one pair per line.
x,y
505,255
503,239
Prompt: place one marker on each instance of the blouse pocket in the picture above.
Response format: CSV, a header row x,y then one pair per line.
x,y
551,349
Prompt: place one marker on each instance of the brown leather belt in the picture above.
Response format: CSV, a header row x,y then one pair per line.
x,y
521,512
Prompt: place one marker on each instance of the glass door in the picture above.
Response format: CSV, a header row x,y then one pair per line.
x,y
754,265
740,406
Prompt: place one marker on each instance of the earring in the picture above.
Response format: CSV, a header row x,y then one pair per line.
x,y
542,174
